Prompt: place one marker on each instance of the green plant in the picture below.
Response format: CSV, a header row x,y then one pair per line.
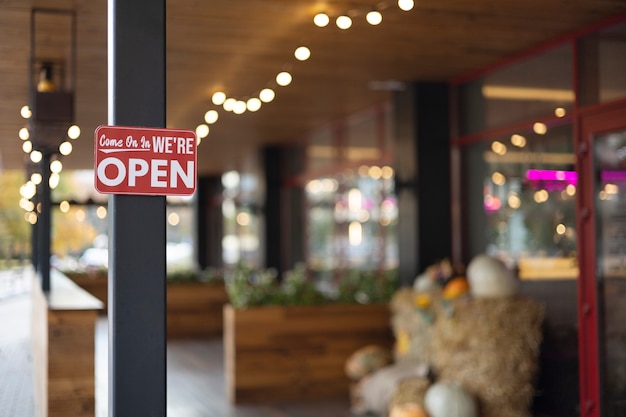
x,y
367,286
248,287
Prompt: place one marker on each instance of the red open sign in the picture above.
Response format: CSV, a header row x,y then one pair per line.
x,y
136,160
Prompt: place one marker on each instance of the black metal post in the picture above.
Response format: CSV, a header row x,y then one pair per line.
x,y
44,222
137,287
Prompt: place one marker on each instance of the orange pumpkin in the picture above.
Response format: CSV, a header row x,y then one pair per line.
x,y
407,410
455,288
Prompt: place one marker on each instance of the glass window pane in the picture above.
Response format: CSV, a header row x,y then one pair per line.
x,y
534,87
351,221
610,152
520,193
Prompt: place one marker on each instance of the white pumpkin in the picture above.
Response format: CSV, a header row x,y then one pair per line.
x,y
449,399
424,283
489,277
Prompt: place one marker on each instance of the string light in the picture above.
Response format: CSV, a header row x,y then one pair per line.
x,y
373,16
65,148
253,104
406,5
25,112
27,146
202,131
239,107
267,95
56,166
36,156
302,53
343,22
321,20
73,132
229,104
283,79
211,116
218,98
24,134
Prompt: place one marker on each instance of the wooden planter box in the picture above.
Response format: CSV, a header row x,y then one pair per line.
x,y
194,309
284,354
95,283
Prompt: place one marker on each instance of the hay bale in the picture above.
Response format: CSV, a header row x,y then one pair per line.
x,y
409,391
491,348
412,323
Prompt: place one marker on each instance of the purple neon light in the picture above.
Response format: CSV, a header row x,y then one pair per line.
x,y
570,177
613,176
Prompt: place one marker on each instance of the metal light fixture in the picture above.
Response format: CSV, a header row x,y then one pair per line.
x,y
50,117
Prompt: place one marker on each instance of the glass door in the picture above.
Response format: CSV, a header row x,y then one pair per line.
x,y
610,179
602,307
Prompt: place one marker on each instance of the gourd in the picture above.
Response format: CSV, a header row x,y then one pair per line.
x,y
489,277
407,410
456,287
366,360
449,399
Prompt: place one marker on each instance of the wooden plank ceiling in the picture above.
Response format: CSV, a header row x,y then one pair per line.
x,y
239,46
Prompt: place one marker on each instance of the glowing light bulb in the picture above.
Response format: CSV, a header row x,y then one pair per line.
x,y
343,22
101,212
27,146
321,20
218,98
540,128
406,5
239,107
25,112
283,79
266,95
518,140
36,156
202,131
36,178
253,104
56,166
73,132
24,134
65,148
302,53
374,17
211,116
229,104
54,180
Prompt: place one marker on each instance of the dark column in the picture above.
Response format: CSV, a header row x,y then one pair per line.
x,y
44,222
137,288
422,148
34,239
273,169
210,227
284,233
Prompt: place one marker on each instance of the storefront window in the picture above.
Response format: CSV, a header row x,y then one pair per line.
x,y
242,221
352,221
520,190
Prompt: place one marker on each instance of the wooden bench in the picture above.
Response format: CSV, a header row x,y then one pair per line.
x,y
63,348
